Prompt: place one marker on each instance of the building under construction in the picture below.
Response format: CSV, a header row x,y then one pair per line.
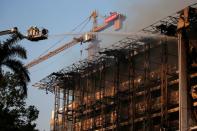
x,y
141,83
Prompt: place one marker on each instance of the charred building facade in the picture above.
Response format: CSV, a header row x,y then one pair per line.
x,y
138,84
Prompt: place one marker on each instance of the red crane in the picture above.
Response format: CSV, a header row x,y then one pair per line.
x,y
114,19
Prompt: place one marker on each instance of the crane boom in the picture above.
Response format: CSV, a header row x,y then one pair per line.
x,y
100,28
52,53
114,17
5,32
10,31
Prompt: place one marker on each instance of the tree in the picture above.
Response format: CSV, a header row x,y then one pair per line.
x,y
9,51
14,115
14,77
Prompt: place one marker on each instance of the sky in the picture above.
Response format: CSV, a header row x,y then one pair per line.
x,y
63,16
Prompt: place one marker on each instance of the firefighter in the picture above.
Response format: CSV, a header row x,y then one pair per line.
x,y
36,31
30,31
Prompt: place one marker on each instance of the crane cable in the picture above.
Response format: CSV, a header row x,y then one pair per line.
x,y
81,50
83,26
87,19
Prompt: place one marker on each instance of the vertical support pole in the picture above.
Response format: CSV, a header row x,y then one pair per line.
x,y
104,94
117,103
131,91
130,119
67,106
148,121
115,95
103,73
164,86
81,87
64,111
182,63
86,86
100,95
56,108
93,93
73,107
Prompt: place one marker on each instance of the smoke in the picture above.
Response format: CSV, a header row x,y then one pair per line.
x,y
142,13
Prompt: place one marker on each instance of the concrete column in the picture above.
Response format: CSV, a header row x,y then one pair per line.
x,y
183,90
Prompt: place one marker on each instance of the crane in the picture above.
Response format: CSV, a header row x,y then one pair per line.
x,y
33,33
114,18
10,31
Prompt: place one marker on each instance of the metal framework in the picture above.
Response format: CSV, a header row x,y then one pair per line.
x,y
132,85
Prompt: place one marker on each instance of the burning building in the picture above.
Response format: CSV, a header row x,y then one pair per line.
x,y
144,82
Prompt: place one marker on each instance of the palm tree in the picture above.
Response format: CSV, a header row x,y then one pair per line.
x,y
10,52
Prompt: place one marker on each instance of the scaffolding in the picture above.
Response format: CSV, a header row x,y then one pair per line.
x,y
133,85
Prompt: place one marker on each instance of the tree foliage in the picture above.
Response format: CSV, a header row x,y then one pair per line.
x,y
10,53
14,77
